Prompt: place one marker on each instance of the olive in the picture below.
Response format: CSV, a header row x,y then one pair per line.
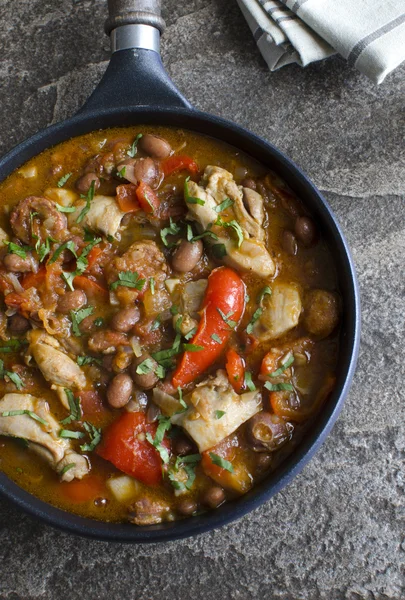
x,y
155,146
125,319
289,242
119,390
71,301
17,324
213,496
266,432
305,230
148,380
187,255
186,506
83,184
17,264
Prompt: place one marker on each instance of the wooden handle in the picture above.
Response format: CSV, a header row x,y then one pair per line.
x,y
127,12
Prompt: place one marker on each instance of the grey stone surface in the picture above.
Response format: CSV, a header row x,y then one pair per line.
x,y
338,531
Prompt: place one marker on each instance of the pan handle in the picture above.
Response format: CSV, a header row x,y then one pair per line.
x,y
135,75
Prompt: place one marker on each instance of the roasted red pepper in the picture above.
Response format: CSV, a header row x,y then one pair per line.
x,y
179,163
221,311
147,198
125,445
127,198
235,368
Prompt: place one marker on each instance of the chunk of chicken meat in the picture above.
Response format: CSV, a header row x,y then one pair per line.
x,y
104,215
281,312
41,438
56,366
210,396
216,185
143,258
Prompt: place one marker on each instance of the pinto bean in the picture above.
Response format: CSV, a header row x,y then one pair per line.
x,y
119,390
186,506
249,183
17,324
266,432
83,183
187,255
182,446
141,169
17,264
305,230
145,381
213,496
125,319
289,242
155,146
71,301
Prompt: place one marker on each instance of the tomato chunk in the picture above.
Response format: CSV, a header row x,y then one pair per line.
x,y
147,198
127,198
238,478
124,444
179,163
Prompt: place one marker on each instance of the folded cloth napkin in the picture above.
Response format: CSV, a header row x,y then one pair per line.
x,y
370,34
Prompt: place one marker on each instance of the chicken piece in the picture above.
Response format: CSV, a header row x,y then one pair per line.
x,y
193,296
281,312
208,397
35,216
42,438
104,215
61,196
56,366
216,185
143,258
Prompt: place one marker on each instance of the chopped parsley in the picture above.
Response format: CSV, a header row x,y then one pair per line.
x,y
145,367
122,172
164,425
234,225
224,205
74,406
63,180
286,362
210,234
89,197
88,360
14,377
65,209
128,279
278,387
152,285
249,382
29,413
72,435
132,152
67,468
156,323
221,462
216,338
259,311
190,199
192,347
219,414
188,464
174,229
82,261
99,322
12,345
66,246
43,249
219,250
78,316
232,324
191,333
20,251
174,309
94,436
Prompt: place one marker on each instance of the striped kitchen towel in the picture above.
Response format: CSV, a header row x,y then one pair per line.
x,y
370,34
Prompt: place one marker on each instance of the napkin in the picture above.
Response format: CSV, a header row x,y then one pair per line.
x,y
370,34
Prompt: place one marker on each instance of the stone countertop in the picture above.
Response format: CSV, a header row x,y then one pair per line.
x,y
337,532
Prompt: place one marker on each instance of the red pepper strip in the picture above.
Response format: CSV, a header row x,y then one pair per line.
x,y
127,198
178,163
93,257
235,368
225,294
34,279
90,287
124,444
147,198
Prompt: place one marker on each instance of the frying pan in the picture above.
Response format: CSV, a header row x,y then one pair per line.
x,y
134,90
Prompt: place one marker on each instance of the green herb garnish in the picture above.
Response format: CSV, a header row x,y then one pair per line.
x,y
89,197
286,362
249,382
190,199
122,172
259,311
67,468
12,346
128,279
65,246
74,406
152,285
72,435
145,367
29,413
20,251
156,323
221,462
174,229
278,387
224,204
78,316
216,338
133,150
234,225
164,425
63,180
94,435
192,348
219,414
88,360
14,377
65,209
191,333
219,251
232,324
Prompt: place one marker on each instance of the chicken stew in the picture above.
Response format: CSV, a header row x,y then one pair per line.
x,y
168,328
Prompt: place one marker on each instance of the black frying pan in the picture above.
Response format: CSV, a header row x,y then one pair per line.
x,y
134,90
